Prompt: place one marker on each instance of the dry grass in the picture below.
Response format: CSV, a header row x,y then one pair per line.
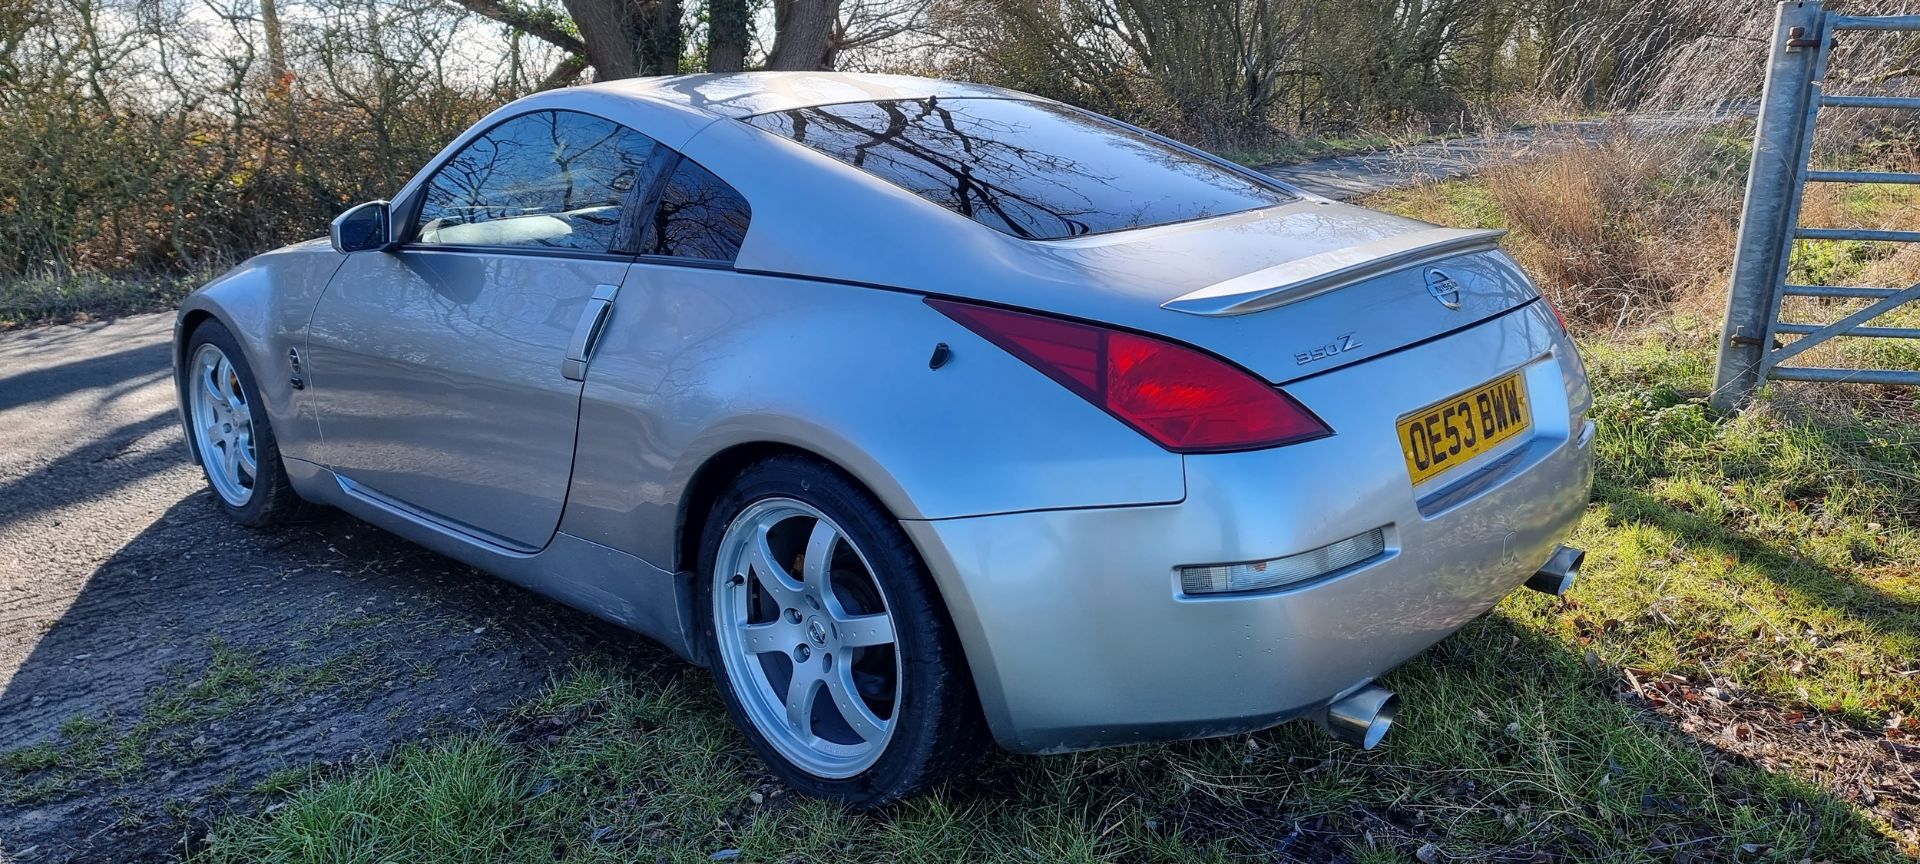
x,y
1638,230
1616,232
1620,230
28,301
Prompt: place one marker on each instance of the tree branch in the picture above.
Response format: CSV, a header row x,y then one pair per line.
x,y
539,25
567,72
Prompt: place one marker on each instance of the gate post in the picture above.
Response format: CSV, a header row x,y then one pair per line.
x,y
1766,229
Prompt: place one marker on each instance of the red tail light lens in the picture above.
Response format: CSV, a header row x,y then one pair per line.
x,y
1556,313
1184,400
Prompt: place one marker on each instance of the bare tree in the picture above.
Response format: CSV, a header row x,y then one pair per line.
x,y
626,38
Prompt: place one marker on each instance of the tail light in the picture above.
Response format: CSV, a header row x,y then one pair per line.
x,y
1186,401
1556,312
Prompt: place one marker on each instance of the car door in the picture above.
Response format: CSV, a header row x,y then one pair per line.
x,y
447,371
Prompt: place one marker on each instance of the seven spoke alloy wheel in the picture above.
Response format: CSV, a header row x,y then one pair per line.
x,y
222,422
807,637
228,430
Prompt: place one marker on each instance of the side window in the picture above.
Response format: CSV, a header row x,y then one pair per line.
x,y
551,179
699,216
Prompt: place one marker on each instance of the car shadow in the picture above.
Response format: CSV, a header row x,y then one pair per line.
x,y
98,469
202,658
125,369
1810,581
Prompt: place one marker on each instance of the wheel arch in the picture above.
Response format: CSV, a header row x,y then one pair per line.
x,y
711,479
264,303
191,319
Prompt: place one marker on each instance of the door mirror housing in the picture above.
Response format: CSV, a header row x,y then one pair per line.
x,y
362,227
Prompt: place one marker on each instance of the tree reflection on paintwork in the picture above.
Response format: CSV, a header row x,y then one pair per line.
x,y
1030,169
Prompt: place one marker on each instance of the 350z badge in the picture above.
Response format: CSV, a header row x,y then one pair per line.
x,y
1340,345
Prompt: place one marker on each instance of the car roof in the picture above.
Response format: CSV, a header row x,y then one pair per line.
x,y
744,94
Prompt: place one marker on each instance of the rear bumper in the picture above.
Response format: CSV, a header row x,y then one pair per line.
x,y
1078,632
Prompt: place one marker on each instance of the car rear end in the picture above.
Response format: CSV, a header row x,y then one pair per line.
x,y
1380,423
1453,466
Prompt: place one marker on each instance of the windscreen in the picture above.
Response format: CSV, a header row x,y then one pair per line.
x,y
1034,170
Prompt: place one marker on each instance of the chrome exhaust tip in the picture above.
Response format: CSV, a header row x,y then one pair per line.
x,y
1559,573
1360,718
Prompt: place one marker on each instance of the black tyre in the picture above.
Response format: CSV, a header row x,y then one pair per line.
x,y
229,433
829,642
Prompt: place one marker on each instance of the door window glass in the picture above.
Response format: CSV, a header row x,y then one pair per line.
x,y
552,179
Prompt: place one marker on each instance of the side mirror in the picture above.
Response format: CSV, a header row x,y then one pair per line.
x,y
362,227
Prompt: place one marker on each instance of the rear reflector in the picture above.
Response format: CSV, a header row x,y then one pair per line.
x,y
1281,572
1185,400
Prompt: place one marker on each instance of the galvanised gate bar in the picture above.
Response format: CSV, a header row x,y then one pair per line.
x,y
1750,350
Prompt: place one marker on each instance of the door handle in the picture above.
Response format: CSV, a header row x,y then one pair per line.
x,y
586,334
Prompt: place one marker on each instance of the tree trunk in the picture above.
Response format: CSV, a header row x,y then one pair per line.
x,y
276,48
727,38
661,40
628,38
279,77
803,34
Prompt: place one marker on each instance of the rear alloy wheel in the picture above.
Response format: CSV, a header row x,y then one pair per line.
x,y
230,433
828,641
810,648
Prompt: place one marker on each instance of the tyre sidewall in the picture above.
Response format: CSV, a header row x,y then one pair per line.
x,y
936,691
272,499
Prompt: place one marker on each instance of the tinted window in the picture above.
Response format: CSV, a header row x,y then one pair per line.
x,y
554,179
699,216
1030,169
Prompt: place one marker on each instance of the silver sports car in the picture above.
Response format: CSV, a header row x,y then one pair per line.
x,y
917,411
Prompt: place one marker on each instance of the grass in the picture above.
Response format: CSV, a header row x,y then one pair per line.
x,y
1792,538
27,301
97,749
171,725
1768,558
1308,149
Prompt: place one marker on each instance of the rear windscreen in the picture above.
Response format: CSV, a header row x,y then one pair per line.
x,y
1030,169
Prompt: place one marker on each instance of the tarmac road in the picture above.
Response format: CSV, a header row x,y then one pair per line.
x,y
173,660
1345,177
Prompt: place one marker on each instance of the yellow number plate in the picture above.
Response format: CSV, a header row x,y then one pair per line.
x,y
1458,428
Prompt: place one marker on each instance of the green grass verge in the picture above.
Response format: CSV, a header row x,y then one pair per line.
x,y
1768,553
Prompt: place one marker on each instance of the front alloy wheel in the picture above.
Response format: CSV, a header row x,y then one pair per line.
x,y
223,425
228,430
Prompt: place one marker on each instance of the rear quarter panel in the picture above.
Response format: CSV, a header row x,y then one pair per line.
x,y
697,361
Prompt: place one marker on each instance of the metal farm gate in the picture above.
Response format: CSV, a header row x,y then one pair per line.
x,y
1750,350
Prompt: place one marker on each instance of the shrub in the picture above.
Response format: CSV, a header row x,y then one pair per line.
x,y
1616,231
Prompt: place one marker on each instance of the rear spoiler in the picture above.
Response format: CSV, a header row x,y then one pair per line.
x,y
1314,275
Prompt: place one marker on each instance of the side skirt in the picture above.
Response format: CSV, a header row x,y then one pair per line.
x,y
596,579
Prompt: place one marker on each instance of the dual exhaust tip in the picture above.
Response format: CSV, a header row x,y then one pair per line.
x,y
1557,576
1362,718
